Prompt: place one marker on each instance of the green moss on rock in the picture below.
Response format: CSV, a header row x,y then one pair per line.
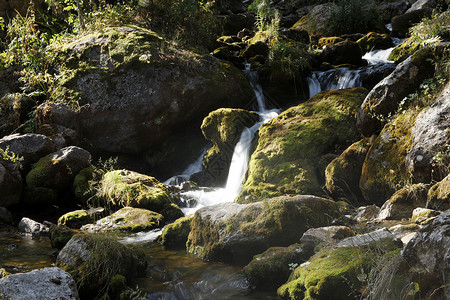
x,y
289,146
404,50
375,40
81,186
75,219
176,234
439,195
60,236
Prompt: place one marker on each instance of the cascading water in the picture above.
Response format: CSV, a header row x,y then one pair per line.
x,y
380,56
193,168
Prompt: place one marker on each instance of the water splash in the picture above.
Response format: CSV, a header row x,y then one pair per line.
x,y
193,168
339,78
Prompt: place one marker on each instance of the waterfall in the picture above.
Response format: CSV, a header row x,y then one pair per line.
x,y
193,168
339,78
240,158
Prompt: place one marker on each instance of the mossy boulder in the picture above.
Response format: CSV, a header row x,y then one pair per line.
x,y
404,50
344,173
81,186
439,195
403,202
175,235
316,238
271,268
288,147
94,259
329,41
75,219
346,52
232,232
384,169
57,170
136,89
373,41
127,219
39,196
223,127
422,215
122,188
317,20
60,235
330,274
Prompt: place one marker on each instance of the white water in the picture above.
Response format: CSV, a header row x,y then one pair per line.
x,y
193,168
339,78
375,57
239,161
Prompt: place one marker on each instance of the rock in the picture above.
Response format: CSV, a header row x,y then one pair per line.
x,y
345,52
29,146
122,188
223,127
342,175
430,4
133,95
127,219
329,41
373,41
429,156
298,35
222,7
232,232
330,274
75,219
438,197
403,202
81,186
422,215
254,49
40,284
366,213
404,50
381,238
39,196
317,20
325,235
94,259
5,216
405,232
288,146
392,9
427,254
10,183
57,170
60,236
270,269
386,97
29,226
402,23
175,235
4,273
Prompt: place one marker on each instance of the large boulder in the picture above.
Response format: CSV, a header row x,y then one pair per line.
x,y
294,148
122,188
223,127
427,255
431,4
58,170
135,89
232,232
402,23
429,156
175,235
94,259
386,97
10,182
346,52
343,174
374,40
391,9
41,284
317,20
127,219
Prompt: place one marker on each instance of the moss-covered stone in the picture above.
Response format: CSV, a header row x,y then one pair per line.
x,y
121,188
439,195
328,41
422,215
60,235
80,186
404,50
374,41
289,146
75,219
39,196
330,274
384,169
270,269
175,235
4,273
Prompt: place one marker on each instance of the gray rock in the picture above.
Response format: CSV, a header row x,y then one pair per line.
x,y
366,213
41,284
329,235
422,215
439,195
5,216
432,4
10,183
376,238
29,226
428,158
392,9
29,146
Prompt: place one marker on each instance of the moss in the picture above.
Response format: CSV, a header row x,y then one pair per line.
x,y
60,235
404,50
439,195
329,41
330,274
176,234
121,188
3,273
374,40
81,186
290,144
129,219
75,219
39,196
384,170
117,285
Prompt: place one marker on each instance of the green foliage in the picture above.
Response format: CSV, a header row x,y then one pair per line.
x,y
353,16
10,156
93,191
432,30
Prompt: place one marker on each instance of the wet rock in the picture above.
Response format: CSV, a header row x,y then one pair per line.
x,y
385,98
429,156
427,254
29,146
344,172
422,215
271,268
325,235
57,170
290,145
175,235
127,219
41,284
122,188
345,52
403,202
75,219
378,238
439,195
10,183
5,216
94,259
232,232
29,226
